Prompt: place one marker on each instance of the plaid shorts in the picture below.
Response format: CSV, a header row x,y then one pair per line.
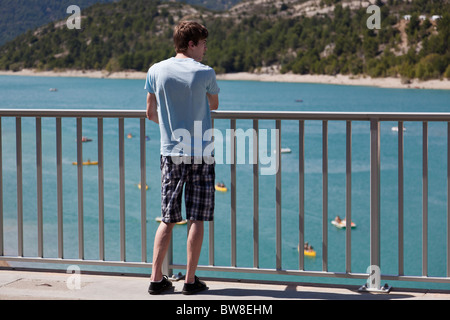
x,y
199,190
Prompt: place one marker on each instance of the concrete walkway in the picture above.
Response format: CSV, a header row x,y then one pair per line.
x,y
30,285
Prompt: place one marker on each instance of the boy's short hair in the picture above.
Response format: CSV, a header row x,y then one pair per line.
x,y
187,31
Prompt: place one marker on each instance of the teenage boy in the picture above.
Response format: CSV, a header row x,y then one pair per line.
x,y
181,93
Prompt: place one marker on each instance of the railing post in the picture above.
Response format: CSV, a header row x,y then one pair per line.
x,y
424,198
168,259
143,193
40,229
19,187
1,191
375,193
101,191
373,281
324,195
122,190
59,187
301,194
448,198
233,191
278,196
80,189
348,198
400,199
255,195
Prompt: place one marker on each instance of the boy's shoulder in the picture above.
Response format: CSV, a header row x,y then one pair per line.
x,y
159,64
174,64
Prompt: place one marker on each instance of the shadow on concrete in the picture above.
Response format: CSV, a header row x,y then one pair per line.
x,y
313,295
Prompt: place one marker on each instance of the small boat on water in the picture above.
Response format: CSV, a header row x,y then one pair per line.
x,y
53,89
159,219
146,186
308,250
87,163
395,129
283,150
341,224
85,139
220,187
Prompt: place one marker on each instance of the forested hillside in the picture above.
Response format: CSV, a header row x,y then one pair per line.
x,y
305,37
19,16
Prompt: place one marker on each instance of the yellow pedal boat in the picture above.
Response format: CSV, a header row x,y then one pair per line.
x,y
220,187
87,163
139,186
308,252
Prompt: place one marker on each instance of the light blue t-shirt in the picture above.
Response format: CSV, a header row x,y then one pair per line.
x,y
180,86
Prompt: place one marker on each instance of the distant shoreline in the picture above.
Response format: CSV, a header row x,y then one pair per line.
x,y
264,77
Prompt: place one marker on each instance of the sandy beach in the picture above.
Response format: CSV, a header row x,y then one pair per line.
x,y
246,76
78,73
338,80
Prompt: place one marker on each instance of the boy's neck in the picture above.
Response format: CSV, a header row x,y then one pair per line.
x,y
181,55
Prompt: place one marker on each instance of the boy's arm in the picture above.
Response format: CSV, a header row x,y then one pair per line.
x,y
213,100
152,113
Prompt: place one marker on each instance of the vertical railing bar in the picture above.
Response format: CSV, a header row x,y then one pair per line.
x,y
425,199
19,186
400,199
143,193
301,195
168,260
101,191
211,223
1,191
375,192
255,194
122,188
59,188
80,188
278,195
40,232
324,195
211,242
348,199
233,191
448,198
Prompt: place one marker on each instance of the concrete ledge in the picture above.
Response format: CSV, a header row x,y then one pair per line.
x,y
30,285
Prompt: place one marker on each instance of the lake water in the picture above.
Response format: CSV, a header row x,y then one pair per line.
x,y
84,93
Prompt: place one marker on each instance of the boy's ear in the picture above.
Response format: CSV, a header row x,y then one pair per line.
x,y
191,44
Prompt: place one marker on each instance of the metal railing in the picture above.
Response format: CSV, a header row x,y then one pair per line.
x,y
373,118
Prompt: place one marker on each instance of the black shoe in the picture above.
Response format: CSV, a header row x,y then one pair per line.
x,y
158,287
197,286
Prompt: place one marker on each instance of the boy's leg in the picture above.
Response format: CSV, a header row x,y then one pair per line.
x,y
199,199
161,244
171,190
194,246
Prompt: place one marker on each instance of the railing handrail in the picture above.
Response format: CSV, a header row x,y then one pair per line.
x,y
242,115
